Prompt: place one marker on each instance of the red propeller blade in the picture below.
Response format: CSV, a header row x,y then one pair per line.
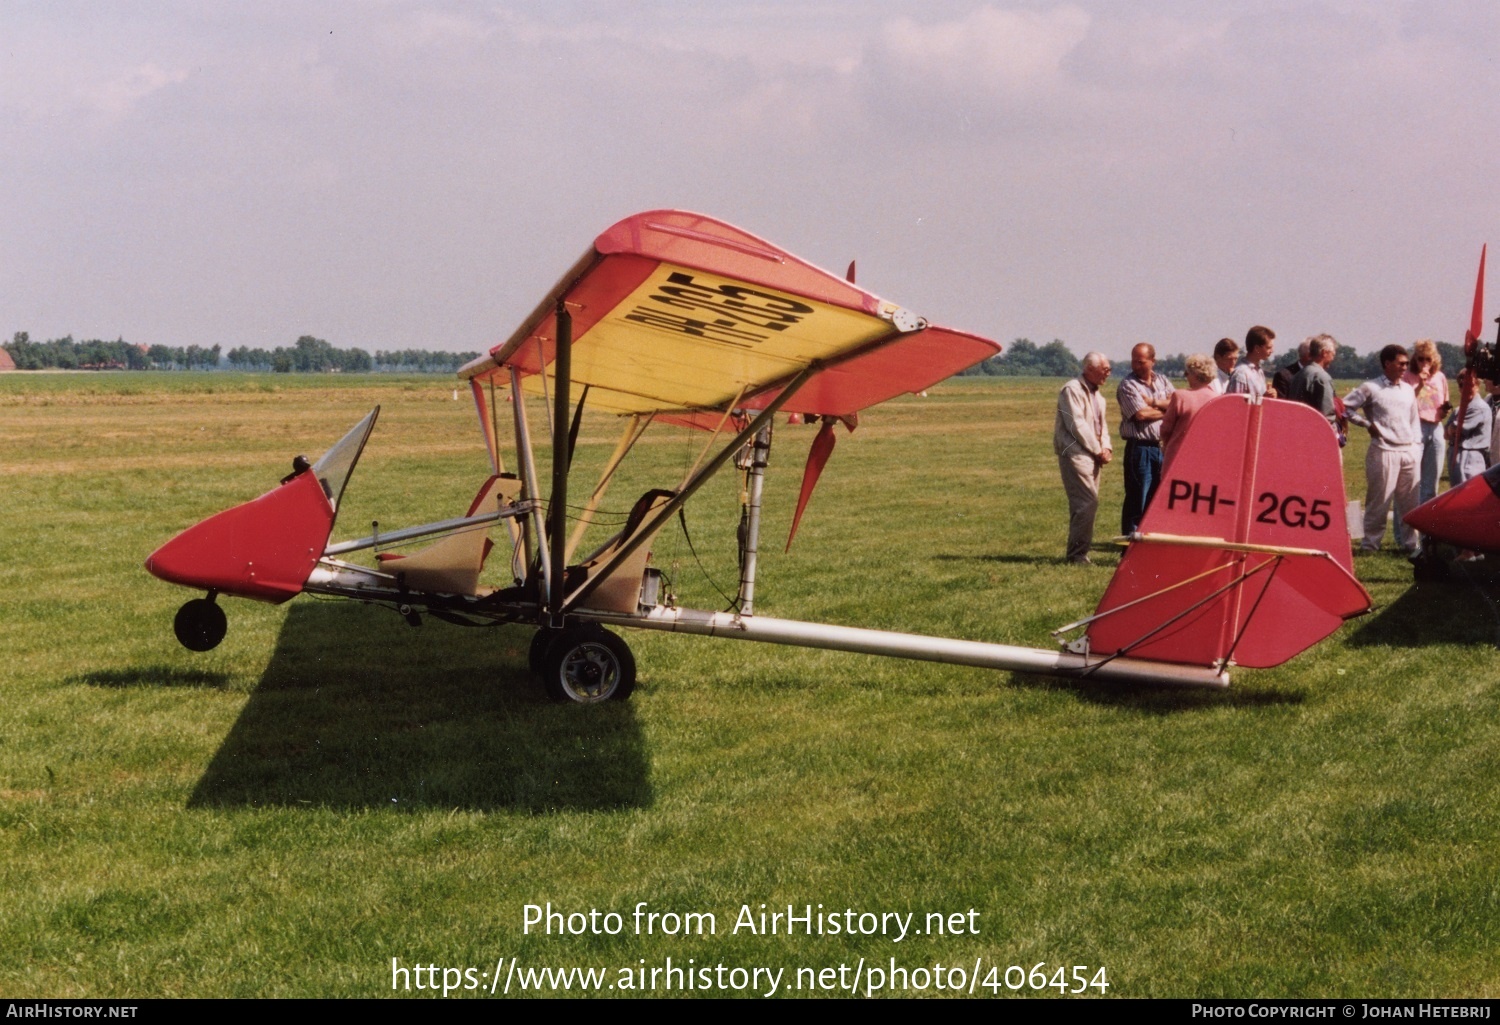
x,y
1476,321
1471,340
817,458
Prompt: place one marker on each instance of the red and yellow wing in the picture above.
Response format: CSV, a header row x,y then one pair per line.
x,y
679,314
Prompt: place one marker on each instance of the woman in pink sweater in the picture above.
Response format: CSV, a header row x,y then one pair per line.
x,y
1185,404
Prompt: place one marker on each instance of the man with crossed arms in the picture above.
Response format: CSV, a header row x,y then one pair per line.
x,y
1144,396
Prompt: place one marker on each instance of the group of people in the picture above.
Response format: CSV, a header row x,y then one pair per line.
x,y
1404,410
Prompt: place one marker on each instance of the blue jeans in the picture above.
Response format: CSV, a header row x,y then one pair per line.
x,y
1433,448
1142,475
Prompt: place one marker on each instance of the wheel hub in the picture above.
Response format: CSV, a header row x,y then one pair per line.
x,y
590,671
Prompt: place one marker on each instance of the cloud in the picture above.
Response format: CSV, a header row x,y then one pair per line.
x,y
997,52
439,30
412,169
118,95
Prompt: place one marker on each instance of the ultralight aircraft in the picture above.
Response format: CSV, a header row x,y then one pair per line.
x,y
675,318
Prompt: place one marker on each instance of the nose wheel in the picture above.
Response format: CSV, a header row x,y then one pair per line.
x,y
585,664
200,625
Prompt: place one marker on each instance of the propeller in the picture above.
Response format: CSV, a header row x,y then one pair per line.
x,y
1476,319
822,448
817,458
1471,348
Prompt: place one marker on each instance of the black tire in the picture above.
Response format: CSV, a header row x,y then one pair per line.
x,y
536,655
200,625
588,666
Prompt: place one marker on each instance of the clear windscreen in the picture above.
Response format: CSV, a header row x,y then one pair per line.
x,y
334,466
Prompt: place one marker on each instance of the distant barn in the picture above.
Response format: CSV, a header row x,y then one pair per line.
x,y
6,363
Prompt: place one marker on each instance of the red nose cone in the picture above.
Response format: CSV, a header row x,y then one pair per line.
x,y
1468,516
263,549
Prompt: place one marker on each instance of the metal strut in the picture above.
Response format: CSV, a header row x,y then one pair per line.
x,y
1275,565
667,511
528,479
759,453
562,371
1236,582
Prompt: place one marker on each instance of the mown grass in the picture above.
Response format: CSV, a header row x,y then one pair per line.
x,y
330,789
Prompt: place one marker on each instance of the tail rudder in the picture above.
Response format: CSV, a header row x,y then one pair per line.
x,y
1244,553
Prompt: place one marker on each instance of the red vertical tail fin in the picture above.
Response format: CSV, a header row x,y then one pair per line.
x,y
1244,552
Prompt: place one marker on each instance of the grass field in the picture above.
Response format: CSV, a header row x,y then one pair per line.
x,y
331,789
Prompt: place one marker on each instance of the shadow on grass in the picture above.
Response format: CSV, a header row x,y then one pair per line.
x,y
358,710
1460,610
153,676
1106,557
1025,560
1374,570
1161,700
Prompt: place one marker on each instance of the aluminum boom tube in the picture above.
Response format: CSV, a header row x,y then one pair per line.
x,y
914,646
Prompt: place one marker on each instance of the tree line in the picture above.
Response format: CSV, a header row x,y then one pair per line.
x,y
308,355
1024,358
95,354
422,362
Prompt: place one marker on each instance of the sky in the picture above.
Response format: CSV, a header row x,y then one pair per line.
x,y
394,175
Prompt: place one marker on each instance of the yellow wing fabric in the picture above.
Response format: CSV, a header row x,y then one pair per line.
x,y
675,313
687,339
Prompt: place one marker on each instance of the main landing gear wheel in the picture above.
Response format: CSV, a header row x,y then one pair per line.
x,y
200,625
536,655
587,665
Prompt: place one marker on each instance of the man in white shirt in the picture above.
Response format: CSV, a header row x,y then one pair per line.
x,y
1080,437
1387,408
